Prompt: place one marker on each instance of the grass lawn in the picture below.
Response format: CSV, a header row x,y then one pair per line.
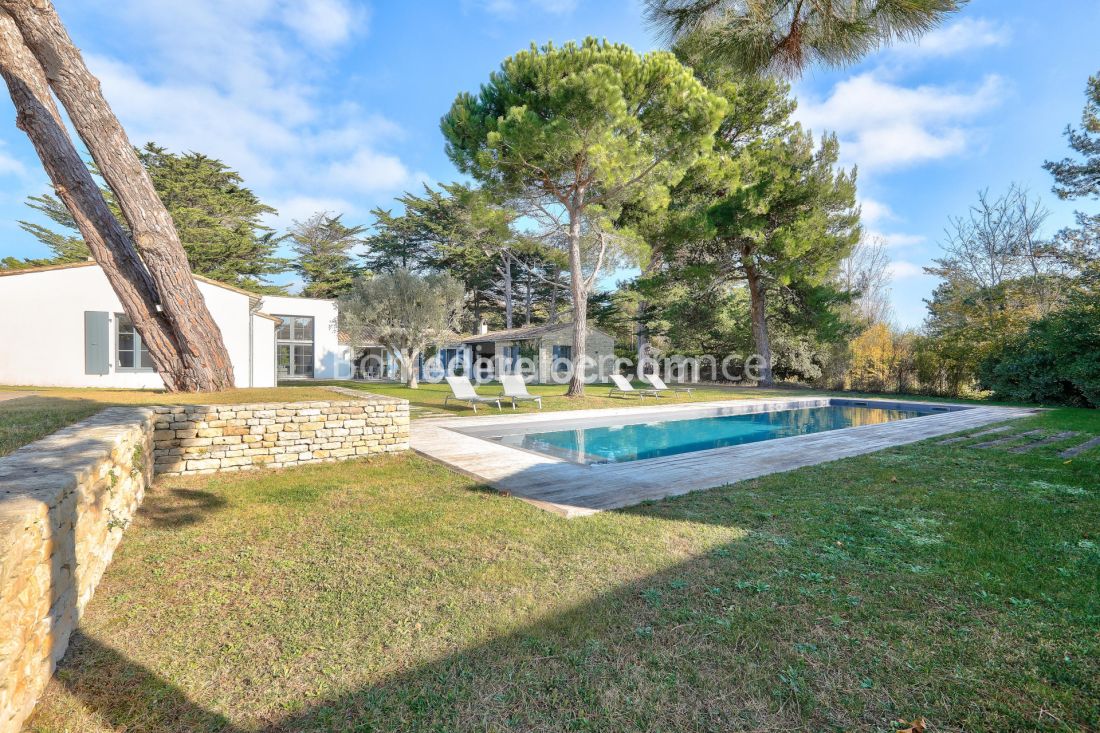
x,y
956,584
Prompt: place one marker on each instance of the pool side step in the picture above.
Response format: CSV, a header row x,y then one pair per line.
x,y
1079,449
961,438
1009,439
1056,438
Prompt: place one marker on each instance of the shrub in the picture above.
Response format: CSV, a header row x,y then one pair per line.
x,y
1057,361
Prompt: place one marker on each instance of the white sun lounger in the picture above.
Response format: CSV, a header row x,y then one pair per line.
x,y
622,386
660,386
463,391
515,389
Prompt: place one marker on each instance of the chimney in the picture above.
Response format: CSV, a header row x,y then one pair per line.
x,y
482,328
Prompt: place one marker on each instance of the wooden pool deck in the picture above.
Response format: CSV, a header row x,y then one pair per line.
x,y
572,489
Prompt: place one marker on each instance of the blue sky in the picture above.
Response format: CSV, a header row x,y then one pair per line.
x,y
335,104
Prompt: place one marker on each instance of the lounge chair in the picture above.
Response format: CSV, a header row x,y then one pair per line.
x,y
514,388
463,391
660,386
622,386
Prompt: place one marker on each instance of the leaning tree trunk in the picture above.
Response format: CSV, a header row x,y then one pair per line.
x,y
205,363
580,305
758,312
37,115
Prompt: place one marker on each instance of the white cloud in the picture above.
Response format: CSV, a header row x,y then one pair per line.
x,y
368,171
10,166
873,211
964,35
902,270
300,208
883,125
896,239
323,23
241,82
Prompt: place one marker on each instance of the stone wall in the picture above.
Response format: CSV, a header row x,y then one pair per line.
x,y
208,438
599,347
64,503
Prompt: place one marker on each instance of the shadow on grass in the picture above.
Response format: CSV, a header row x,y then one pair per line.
x,y
755,634
633,658
179,507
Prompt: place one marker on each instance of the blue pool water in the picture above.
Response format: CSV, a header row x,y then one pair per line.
x,y
620,443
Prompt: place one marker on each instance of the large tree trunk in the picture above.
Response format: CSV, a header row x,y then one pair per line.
x,y
205,363
37,115
758,311
580,305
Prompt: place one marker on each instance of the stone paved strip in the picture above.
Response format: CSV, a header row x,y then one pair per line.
x,y
1056,438
1009,439
1079,449
961,438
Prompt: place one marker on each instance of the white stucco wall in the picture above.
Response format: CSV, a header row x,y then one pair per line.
x,y
331,359
263,351
44,343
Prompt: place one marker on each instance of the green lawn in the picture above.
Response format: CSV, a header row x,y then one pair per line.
x,y
956,584
427,399
46,409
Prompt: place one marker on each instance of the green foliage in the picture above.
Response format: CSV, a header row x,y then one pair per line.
x,y
219,221
1056,361
786,36
1080,179
576,133
404,312
65,247
323,245
584,124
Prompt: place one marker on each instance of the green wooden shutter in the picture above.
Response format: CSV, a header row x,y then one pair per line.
x,y
97,342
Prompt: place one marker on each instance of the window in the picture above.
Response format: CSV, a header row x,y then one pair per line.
x,y
130,351
560,358
510,358
294,347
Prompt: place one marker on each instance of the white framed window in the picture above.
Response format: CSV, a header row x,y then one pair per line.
x,y
131,354
294,347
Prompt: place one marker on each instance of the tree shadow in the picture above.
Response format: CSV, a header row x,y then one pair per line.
x,y
173,507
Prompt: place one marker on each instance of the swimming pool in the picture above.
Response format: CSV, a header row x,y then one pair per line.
x,y
638,441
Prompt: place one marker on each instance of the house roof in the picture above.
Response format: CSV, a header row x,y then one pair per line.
x,y
255,297
524,333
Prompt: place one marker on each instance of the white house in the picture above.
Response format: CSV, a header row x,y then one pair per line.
x,y
72,332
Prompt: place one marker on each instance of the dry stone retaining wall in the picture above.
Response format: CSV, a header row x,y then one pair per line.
x,y
64,503
66,499
213,438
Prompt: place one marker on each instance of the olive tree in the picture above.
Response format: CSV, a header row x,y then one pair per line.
x,y
404,312
574,132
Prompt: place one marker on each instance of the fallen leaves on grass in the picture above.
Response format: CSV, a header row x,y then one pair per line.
x,y
920,725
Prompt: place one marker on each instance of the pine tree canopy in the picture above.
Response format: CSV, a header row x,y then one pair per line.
x,y
786,36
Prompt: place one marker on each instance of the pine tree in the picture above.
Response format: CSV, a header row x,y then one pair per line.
x,y
218,219
786,36
323,245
